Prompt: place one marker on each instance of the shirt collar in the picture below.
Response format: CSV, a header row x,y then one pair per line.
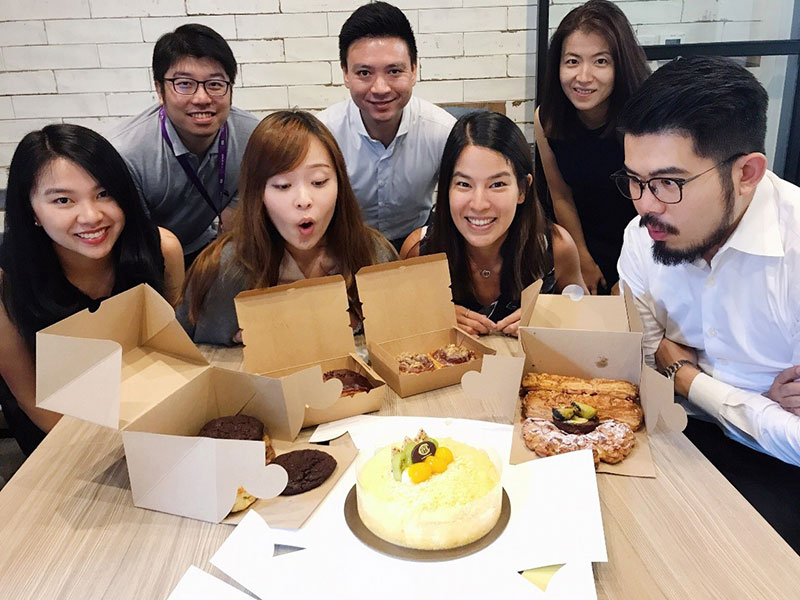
x,y
177,143
759,232
354,115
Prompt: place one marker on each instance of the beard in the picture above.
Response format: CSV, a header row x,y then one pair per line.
x,y
673,257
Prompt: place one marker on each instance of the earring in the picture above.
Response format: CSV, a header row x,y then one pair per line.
x,y
36,222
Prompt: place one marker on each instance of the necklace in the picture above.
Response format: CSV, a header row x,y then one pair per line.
x,y
485,273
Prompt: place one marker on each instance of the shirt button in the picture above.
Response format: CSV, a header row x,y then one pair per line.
x,y
712,332
710,282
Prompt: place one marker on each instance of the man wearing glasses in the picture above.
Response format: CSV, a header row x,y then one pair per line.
x,y
184,152
713,261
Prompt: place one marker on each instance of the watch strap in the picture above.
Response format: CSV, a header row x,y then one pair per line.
x,y
672,369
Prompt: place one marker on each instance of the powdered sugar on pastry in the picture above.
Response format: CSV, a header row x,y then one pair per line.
x,y
610,442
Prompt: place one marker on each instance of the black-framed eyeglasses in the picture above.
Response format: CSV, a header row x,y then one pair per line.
x,y
186,86
668,190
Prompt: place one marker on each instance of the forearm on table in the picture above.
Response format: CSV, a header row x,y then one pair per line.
x,y
750,415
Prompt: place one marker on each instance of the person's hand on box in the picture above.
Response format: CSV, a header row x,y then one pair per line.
x,y
474,323
785,389
510,324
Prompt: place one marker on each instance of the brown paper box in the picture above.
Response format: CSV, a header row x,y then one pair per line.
x,y
293,333
595,337
130,366
408,307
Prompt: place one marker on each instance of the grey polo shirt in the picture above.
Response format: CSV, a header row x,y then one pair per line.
x,y
171,198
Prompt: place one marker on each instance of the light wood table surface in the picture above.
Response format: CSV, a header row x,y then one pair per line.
x,y
68,527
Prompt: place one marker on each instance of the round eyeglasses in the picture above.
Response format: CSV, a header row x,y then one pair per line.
x,y
668,190
186,86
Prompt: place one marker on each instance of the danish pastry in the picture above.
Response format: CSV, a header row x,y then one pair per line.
x,y
352,382
539,404
415,363
616,388
452,354
610,442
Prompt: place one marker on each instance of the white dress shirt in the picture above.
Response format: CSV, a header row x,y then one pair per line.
x,y
741,313
394,185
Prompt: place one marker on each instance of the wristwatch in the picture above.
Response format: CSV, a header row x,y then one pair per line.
x,y
672,369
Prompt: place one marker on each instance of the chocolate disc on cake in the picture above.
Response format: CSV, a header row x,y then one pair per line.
x,y
307,469
352,382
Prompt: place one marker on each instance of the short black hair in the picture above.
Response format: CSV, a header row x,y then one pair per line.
x,y
714,100
194,40
377,20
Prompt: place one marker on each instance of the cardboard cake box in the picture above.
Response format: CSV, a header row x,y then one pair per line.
x,y
408,307
293,334
595,337
130,366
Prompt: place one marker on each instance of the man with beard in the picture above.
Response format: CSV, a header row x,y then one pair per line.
x,y
713,261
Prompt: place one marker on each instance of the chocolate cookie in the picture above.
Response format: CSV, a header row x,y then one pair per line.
x,y
237,427
307,469
352,382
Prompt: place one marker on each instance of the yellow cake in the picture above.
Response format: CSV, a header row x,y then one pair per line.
x,y
450,509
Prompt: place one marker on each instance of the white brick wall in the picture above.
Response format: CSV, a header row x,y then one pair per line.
x,y
88,61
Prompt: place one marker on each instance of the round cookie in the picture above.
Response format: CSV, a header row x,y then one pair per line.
x,y
307,469
236,427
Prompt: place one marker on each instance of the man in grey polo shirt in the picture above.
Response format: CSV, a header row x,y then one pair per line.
x,y
184,152
392,142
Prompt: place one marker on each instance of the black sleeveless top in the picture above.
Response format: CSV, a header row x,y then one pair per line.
x,y
586,163
505,304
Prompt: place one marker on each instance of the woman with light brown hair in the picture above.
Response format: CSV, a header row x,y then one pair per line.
x,y
297,218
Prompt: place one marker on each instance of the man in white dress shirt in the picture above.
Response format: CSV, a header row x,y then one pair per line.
x,y
713,261
392,142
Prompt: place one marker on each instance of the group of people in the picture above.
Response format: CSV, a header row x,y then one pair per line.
x,y
658,182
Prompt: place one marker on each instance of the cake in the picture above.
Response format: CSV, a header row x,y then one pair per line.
x,y
458,503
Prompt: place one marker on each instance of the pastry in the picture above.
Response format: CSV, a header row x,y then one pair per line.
x,y
610,442
539,404
452,354
352,382
415,363
307,469
616,388
239,427
428,494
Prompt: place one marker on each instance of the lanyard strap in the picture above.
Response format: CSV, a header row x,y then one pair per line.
x,y
183,160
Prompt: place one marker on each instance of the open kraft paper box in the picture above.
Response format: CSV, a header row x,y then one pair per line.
x,y
293,334
408,307
595,336
130,366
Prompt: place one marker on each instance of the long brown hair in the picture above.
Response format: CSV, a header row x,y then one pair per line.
x,y
525,252
279,144
557,114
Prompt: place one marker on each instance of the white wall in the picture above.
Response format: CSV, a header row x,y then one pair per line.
x,y
87,61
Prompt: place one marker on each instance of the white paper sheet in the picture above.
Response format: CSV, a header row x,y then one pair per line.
x,y
543,494
196,584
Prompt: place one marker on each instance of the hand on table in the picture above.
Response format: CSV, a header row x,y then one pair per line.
x,y
785,389
510,324
474,323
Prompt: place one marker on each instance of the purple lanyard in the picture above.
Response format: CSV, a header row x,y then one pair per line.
x,y
222,155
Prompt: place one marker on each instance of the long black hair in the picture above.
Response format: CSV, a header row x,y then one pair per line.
x,y
525,250
557,114
34,289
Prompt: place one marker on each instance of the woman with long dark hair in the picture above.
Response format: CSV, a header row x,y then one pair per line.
x,y
75,232
491,226
297,219
594,63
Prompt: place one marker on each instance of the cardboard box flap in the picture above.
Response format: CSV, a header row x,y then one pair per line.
x,y
201,475
406,298
528,302
300,323
634,320
583,353
69,369
658,402
94,365
497,382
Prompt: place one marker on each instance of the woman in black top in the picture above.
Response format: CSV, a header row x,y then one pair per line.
x,y
490,224
75,233
593,65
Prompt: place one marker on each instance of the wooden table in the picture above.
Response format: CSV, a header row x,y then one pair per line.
x,y
68,528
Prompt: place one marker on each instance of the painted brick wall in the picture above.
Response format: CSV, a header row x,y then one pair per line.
x,y
87,61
